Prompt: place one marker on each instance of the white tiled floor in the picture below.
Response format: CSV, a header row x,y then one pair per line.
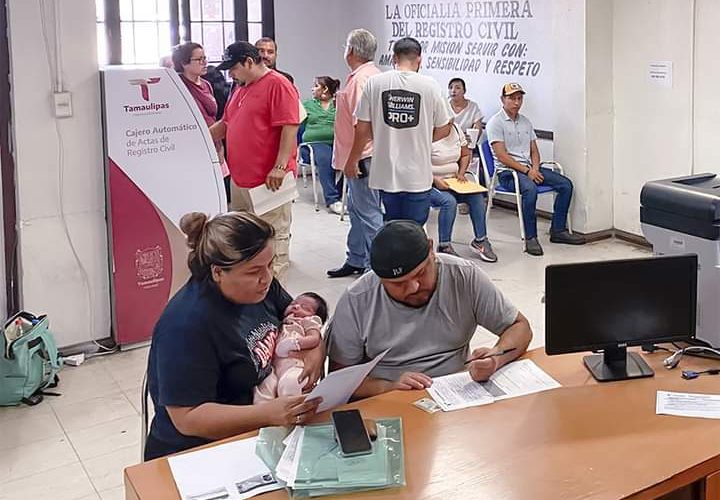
x,y
76,446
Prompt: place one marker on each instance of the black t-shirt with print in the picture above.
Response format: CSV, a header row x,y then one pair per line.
x,y
208,349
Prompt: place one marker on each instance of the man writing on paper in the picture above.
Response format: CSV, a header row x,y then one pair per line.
x,y
260,127
425,308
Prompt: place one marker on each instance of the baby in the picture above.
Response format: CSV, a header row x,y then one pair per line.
x,y
300,330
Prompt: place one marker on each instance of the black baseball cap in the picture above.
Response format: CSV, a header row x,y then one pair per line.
x,y
236,53
398,248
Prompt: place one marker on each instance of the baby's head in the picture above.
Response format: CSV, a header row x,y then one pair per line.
x,y
308,304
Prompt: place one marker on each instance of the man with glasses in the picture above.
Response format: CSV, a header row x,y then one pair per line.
x,y
425,309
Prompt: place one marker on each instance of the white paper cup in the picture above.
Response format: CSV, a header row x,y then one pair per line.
x,y
472,137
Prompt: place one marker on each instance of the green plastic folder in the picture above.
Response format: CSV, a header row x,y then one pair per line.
x,y
322,469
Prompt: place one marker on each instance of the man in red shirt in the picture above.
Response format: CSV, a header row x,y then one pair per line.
x,y
260,127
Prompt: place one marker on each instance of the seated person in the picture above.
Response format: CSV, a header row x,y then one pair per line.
x,y
213,342
319,129
425,309
300,331
450,158
514,145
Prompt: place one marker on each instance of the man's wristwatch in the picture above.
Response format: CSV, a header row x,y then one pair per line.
x,y
527,172
280,167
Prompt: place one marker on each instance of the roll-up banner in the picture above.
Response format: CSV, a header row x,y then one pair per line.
x,y
160,164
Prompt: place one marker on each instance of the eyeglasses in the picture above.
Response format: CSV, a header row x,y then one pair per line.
x,y
202,59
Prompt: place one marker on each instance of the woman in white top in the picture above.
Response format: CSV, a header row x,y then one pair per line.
x,y
467,113
450,158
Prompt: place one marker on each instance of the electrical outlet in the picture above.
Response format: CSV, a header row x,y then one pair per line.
x,y
63,104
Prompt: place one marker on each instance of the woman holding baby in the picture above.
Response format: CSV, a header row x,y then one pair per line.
x,y
214,346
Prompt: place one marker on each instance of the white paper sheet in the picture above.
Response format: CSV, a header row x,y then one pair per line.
x,y
338,386
208,474
459,390
686,404
287,466
264,200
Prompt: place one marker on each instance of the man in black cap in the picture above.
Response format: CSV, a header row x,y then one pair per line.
x,y
260,127
425,308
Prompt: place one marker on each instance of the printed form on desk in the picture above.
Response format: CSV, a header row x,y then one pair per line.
x,y
519,378
231,470
687,404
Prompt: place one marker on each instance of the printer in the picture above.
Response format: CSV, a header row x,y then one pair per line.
x,y
682,215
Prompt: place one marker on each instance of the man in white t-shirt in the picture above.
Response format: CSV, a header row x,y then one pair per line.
x,y
403,113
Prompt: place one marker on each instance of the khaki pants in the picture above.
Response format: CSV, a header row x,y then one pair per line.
x,y
279,218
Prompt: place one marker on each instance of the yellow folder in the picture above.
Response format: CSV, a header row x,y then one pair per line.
x,y
467,187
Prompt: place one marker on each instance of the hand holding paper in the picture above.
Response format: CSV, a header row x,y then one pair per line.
x,y
337,387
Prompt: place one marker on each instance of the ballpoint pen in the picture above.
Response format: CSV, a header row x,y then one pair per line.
x,y
501,353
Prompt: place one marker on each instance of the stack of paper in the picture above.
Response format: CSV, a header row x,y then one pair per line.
x,y
459,390
311,463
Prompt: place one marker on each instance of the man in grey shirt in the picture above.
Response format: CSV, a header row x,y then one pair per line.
x,y
514,146
425,308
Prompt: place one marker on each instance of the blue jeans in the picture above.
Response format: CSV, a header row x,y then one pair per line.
x,y
366,219
528,191
447,202
326,173
407,206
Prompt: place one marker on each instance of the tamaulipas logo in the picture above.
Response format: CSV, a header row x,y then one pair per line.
x,y
144,84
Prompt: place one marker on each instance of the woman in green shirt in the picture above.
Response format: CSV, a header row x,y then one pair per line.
x,y
319,130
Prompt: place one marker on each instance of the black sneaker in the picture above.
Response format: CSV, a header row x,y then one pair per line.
x,y
448,249
532,246
344,271
483,249
567,238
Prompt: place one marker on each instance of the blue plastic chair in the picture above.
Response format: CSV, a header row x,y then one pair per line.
x,y
493,186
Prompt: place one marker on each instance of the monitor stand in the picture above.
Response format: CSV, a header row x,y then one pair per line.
x,y
616,363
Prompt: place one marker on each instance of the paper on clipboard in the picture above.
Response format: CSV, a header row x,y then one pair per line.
x,y
263,200
338,386
467,187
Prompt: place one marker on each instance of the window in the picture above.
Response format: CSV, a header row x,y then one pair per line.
x,y
212,24
102,46
142,31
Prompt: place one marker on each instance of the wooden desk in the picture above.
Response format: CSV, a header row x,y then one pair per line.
x,y
585,440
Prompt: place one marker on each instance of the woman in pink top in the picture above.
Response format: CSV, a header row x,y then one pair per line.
x,y
190,62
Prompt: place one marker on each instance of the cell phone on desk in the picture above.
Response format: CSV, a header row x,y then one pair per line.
x,y
350,433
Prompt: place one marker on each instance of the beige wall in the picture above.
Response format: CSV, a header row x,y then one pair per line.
x,y
52,280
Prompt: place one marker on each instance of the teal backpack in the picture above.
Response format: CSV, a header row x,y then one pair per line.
x,y
29,360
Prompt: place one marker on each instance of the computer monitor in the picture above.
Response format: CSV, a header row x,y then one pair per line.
x,y
611,305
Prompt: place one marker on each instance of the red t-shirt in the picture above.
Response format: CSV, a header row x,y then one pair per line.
x,y
254,117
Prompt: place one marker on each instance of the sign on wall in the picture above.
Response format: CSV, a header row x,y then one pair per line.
x,y
161,164
487,43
